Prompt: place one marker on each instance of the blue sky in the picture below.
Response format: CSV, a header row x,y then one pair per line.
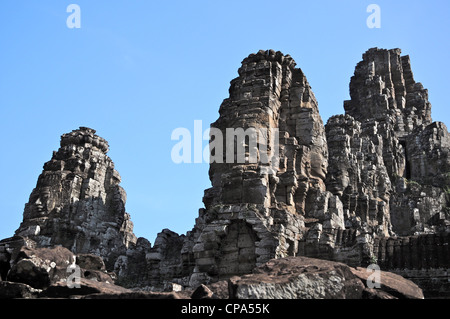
x,y
137,70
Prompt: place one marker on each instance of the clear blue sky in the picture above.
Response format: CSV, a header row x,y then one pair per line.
x,y
136,70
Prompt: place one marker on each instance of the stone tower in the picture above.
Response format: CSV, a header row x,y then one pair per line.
x,y
389,163
78,202
255,210
346,191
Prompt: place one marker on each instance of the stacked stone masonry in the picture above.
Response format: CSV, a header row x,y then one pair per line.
x,y
370,186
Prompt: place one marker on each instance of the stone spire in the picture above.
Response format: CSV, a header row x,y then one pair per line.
x,y
77,202
256,211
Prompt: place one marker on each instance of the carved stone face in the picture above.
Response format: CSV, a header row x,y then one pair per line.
x,y
344,178
319,165
40,203
339,181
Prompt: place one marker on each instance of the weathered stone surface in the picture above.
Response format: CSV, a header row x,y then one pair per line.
x,y
86,287
33,269
78,203
388,162
9,248
298,278
307,278
254,210
391,283
89,261
40,267
383,86
131,268
220,289
270,93
371,186
389,165
202,292
373,168
435,282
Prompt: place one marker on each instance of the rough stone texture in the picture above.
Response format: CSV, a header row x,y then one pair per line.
x,y
77,202
202,292
9,249
256,211
371,186
435,283
381,171
307,278
131,268
40,267
388,162
86,287
32,271
89,261
292,277
220,289
270,93
389,165
383,88
393,284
